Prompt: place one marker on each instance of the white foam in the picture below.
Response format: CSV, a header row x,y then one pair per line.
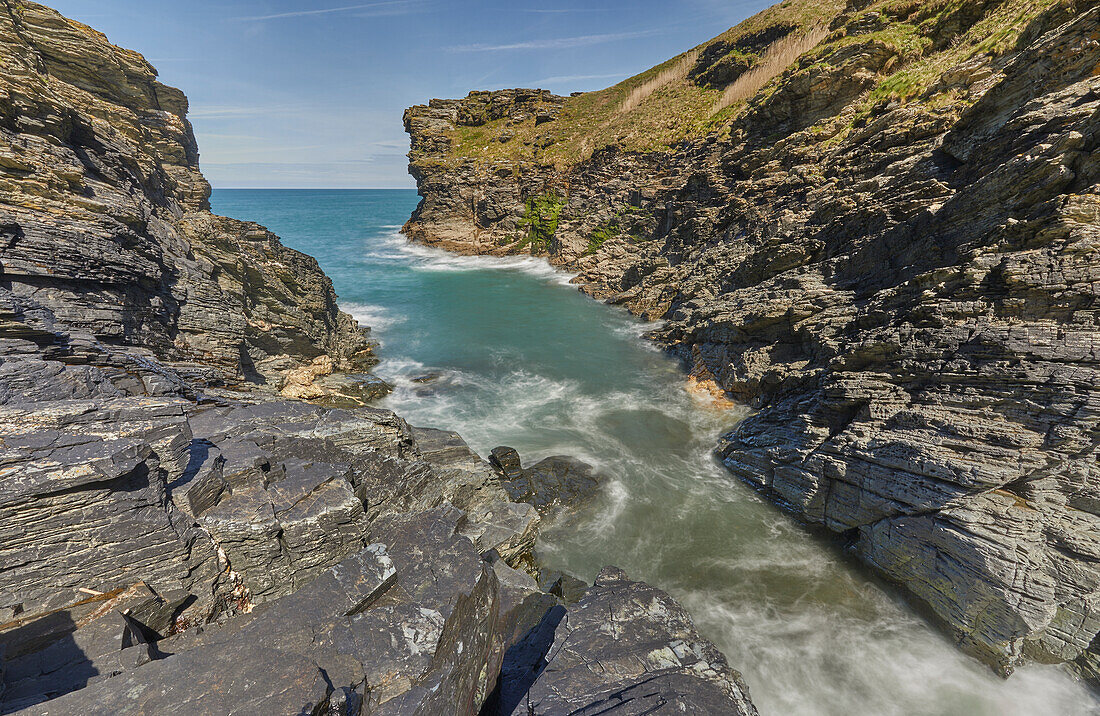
x,y
427,258
377,318
844,662
399,368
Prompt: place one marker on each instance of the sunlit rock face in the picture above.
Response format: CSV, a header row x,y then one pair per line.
x,y
104,218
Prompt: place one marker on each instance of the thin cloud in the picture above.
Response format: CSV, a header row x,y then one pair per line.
x,y
253,110
556,43
559,79
560,11
322,11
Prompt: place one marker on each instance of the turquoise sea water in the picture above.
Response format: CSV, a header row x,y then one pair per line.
x,y
519,357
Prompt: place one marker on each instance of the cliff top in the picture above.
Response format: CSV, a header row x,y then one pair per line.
x,y
906,44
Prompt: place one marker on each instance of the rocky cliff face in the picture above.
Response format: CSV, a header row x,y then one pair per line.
x,y
885,240
175,538
104,218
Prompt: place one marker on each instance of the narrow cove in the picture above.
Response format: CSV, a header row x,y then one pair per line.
x,y
506,352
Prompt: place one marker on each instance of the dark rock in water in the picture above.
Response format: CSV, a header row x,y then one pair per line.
x,y
427,377
557,480
625,647
507,462
552,482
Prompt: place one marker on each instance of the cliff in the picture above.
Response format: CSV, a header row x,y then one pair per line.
x,y
176,538
876,223
104,218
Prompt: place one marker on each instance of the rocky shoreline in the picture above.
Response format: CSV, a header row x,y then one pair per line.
x,y
180,531
888,250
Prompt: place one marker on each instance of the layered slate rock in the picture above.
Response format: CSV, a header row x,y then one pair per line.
x,y
104,216
96,638
624,648
293,489
251,665
417,623
469,194
84,505
890,253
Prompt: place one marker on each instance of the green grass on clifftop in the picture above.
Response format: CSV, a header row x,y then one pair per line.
x,y
661,108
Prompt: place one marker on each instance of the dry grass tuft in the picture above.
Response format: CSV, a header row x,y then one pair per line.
x,y
780,55
675,73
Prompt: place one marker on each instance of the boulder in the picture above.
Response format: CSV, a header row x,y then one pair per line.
x,y
550,483
625,647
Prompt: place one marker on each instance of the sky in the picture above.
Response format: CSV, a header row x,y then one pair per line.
x,y
302,94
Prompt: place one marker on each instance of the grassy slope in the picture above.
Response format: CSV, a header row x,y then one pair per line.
x,y
930,37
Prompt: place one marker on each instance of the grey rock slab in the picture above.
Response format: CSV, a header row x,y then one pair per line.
x,y
625,647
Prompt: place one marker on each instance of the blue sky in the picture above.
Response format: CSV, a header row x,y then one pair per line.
x,y
310,93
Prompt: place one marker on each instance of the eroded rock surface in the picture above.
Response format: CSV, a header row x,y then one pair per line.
x,y
553,482
623,648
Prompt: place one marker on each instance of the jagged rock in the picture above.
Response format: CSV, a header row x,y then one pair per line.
x,y
624,647
549,483
566,586
83,502
394,628
95,639
138,259
507,462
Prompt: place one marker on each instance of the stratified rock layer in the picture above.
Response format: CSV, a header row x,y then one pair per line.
x,y
104,217
623,648
904,285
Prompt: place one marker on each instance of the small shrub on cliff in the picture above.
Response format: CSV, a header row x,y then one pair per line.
x,y
541,219
599,235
